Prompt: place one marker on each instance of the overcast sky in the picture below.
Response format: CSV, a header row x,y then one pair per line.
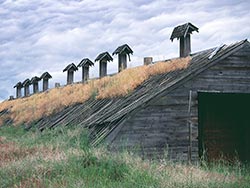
x,y
47,35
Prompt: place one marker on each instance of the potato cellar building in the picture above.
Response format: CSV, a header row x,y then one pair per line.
x,y
198,111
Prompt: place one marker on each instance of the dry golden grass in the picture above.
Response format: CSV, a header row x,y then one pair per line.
x,y
12,153
127,80
26,110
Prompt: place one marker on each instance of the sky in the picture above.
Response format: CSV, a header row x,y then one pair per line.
x,y
47,35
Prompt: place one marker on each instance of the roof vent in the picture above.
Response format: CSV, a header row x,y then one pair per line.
x,y
35,81
85,64
183,32
18,87
123,51
71,68
26,84
45,77
103,58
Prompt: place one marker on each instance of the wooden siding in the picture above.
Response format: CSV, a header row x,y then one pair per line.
x,y
162,126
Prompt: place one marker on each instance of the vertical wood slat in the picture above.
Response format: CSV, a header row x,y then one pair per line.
x,y
190,127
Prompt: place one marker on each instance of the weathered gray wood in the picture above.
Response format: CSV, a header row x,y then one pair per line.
x,y
18,92
162,124
103,68
35,87
45,77
45,84
26,90
70,77
85,74
71,68
183,32
122,62
189,123
123,51
185,45
147,60
85,64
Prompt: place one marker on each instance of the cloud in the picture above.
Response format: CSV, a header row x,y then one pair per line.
x,y
48,35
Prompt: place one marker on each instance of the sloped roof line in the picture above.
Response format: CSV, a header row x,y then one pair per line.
x,y
71,66
85,62
183,30
123,49
104,55
46,75
34,79
19,84
26,82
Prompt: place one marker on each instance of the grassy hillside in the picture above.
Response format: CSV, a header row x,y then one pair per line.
x,y
27,110
62,158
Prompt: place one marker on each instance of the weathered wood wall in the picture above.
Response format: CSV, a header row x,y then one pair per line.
x,y
162,127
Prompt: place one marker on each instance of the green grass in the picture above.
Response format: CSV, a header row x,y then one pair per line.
x,y
63,158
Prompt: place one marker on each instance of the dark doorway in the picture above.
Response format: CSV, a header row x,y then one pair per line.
x,y
224,126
